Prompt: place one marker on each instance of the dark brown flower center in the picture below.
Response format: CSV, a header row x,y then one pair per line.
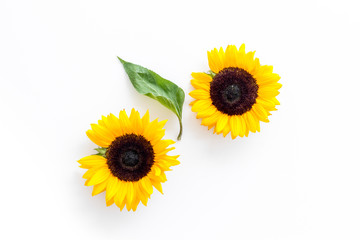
x,y
130,157
233,91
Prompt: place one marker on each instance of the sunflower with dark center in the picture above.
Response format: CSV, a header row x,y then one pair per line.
x,y
236,94
131,161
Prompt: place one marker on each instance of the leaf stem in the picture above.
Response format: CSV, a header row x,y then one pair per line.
x,y
181,129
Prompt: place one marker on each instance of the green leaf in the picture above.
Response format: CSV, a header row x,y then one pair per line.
x,y
152,85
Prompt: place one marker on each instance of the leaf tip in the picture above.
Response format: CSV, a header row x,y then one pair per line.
x,y
121,60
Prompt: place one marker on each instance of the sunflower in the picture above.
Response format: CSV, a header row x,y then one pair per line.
x,y
131,161
236,94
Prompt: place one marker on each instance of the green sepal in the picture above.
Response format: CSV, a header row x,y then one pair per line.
x,y
101,151
211,73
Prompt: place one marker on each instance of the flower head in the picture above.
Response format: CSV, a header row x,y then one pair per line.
x,y
132,158
236,94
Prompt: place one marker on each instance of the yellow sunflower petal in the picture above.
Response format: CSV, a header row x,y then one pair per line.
x,y
260,112
255,120
200,94
216,60
115,125
240,57
212,64
161,124
271,87
156,137
256,67
136,122
242,49
226,130
266,104
103,121
267,93
221,57
162,177
230,56
235,126
145,119
162,145
112,187
125,122
142,194
99,188
172,160
153,133
110,202
96,139
200,85
128,206
206,112
146,184
209,121
107,124
102,133
135,204
130,193
119,197
122,205
221,123
249,61
265,79
157,185
164,166
92,161
264,70
201,105
246,132
242,126
275,101
89,173
164,152
156,170
250,122
100,175
202,77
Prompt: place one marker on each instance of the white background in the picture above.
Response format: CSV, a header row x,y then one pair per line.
x,y
296,179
